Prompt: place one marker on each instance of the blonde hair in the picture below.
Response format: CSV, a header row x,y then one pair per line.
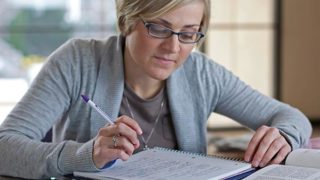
x,y
129,12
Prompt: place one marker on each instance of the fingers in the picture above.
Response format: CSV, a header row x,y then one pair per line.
x,y
282,154
125,127
129,128
267,146
102,155
117,141
130,123
254,142
120,142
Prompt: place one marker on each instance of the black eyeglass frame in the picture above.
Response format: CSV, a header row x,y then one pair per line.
x,y
149,25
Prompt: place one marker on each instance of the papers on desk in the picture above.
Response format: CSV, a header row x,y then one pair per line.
x,y
160,163
301,164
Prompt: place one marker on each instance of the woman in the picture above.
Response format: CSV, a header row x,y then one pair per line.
x,y
148,79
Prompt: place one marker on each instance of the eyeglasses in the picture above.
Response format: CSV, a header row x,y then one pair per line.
x,y
159,31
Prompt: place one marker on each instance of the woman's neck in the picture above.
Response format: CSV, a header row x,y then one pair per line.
x,y
143,88
143,85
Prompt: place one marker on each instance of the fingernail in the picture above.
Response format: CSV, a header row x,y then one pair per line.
x,y
255,163
261,164
247,159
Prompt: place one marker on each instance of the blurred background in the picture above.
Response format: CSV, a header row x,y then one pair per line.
x,y
273,45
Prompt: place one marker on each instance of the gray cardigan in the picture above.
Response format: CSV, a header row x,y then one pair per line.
x,y
95,68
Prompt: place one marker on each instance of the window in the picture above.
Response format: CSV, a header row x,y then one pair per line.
x,y
241,38
31,30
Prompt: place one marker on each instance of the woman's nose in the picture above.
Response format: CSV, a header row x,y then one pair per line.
x,y
172,43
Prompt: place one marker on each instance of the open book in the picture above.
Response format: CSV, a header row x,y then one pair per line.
x,y
300,164
161,163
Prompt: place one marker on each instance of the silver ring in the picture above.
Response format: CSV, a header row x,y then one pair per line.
x,y
114,140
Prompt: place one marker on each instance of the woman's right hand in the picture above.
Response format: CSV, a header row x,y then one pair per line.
x,y
116,141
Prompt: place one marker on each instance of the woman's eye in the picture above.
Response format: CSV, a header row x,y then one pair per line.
x,y
187,35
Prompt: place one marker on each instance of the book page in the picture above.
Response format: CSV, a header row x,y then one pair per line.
x,y
285,172
162,164
304,157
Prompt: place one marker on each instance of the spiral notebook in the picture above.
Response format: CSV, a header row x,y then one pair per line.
x,y
162,164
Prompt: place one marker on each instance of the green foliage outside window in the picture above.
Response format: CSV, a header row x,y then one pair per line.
x,y
38,32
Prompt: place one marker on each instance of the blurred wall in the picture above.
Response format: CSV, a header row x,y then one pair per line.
x,y
300,56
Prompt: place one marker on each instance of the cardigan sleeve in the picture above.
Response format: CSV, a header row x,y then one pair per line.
x,y
48,100
219,90
253,109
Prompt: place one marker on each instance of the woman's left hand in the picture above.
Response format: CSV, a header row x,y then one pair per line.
x,y
267,146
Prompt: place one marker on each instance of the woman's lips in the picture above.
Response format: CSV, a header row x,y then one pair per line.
x,y
164,59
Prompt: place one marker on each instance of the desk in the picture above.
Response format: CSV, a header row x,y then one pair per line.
x,y
223,134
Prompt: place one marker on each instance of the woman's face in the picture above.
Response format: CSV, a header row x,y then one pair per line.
x,y
158,58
